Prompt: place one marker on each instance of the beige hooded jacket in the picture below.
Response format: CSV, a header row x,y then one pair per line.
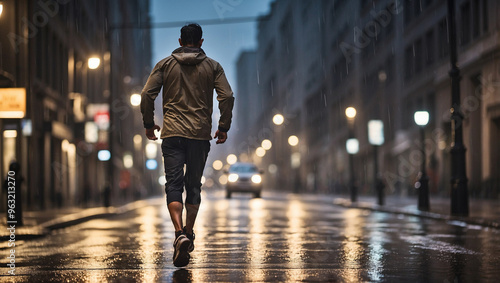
x,y
188,78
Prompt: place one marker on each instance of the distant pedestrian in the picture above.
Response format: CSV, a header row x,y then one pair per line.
x,y
188,78
106,194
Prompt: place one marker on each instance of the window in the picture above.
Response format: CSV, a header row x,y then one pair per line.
x,y
485,15
408,12
443,45
287,40
465,28
473,14
476,27
417,7
418,54
429,48
317,118
389,69
408,63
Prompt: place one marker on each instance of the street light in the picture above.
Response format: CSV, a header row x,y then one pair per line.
x,y
421,119
94,63
266,144
217,165
350,113
1,8
459,194
352,147
231,159
260,152
278,119
293,140
376,138
135,99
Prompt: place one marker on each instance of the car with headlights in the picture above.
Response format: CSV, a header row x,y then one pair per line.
x,y
244,178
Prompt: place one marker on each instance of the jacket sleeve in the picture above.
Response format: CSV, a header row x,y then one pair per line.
x,y
225,99
149,94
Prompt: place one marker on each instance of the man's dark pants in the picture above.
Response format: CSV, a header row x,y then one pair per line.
x,y
178,151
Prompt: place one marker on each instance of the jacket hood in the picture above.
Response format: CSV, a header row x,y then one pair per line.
x,y
189,55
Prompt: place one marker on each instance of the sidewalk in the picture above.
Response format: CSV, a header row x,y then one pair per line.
x,y
482,212
40,223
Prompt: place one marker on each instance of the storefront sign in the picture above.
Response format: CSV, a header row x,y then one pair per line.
x,y
12,103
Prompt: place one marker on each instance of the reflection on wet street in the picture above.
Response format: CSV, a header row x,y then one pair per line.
x,y
279,238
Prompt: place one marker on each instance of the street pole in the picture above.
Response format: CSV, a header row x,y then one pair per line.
x,y
354,193
423,190
379,186
459,191
352,147
110,182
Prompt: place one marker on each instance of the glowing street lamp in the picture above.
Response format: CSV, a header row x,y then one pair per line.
x,y
231,159
278,119
293,140
260,152
94,63
421,119
135,99
266,144
350,112
217,165
1,8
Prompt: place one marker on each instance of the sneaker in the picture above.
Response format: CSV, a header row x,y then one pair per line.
x,y
181,250
191,237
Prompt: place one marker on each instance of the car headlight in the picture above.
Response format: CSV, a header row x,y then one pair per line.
x,y
256,179
232,178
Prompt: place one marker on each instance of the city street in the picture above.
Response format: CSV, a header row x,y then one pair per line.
x,y
281,237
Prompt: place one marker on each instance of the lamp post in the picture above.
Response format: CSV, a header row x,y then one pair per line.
x,y
421,119
376,138
352,147
295,157
459,194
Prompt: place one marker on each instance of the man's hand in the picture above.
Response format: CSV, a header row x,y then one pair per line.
x,y
150,133
221,137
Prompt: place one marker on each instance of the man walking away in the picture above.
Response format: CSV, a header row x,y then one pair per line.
x,y
188,78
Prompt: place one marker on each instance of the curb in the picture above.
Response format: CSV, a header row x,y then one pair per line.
x,y
462,221
43,229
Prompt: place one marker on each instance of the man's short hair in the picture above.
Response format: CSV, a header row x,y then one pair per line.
x,y
191,34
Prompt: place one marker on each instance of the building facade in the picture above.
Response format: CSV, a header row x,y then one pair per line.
x,y
46,47
387,59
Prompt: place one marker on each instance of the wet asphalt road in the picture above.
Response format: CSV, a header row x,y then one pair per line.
x,y
279,238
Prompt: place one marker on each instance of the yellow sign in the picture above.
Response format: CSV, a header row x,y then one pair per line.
x,y
12,103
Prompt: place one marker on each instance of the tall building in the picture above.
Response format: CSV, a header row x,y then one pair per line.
x,y
46,47
387,59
